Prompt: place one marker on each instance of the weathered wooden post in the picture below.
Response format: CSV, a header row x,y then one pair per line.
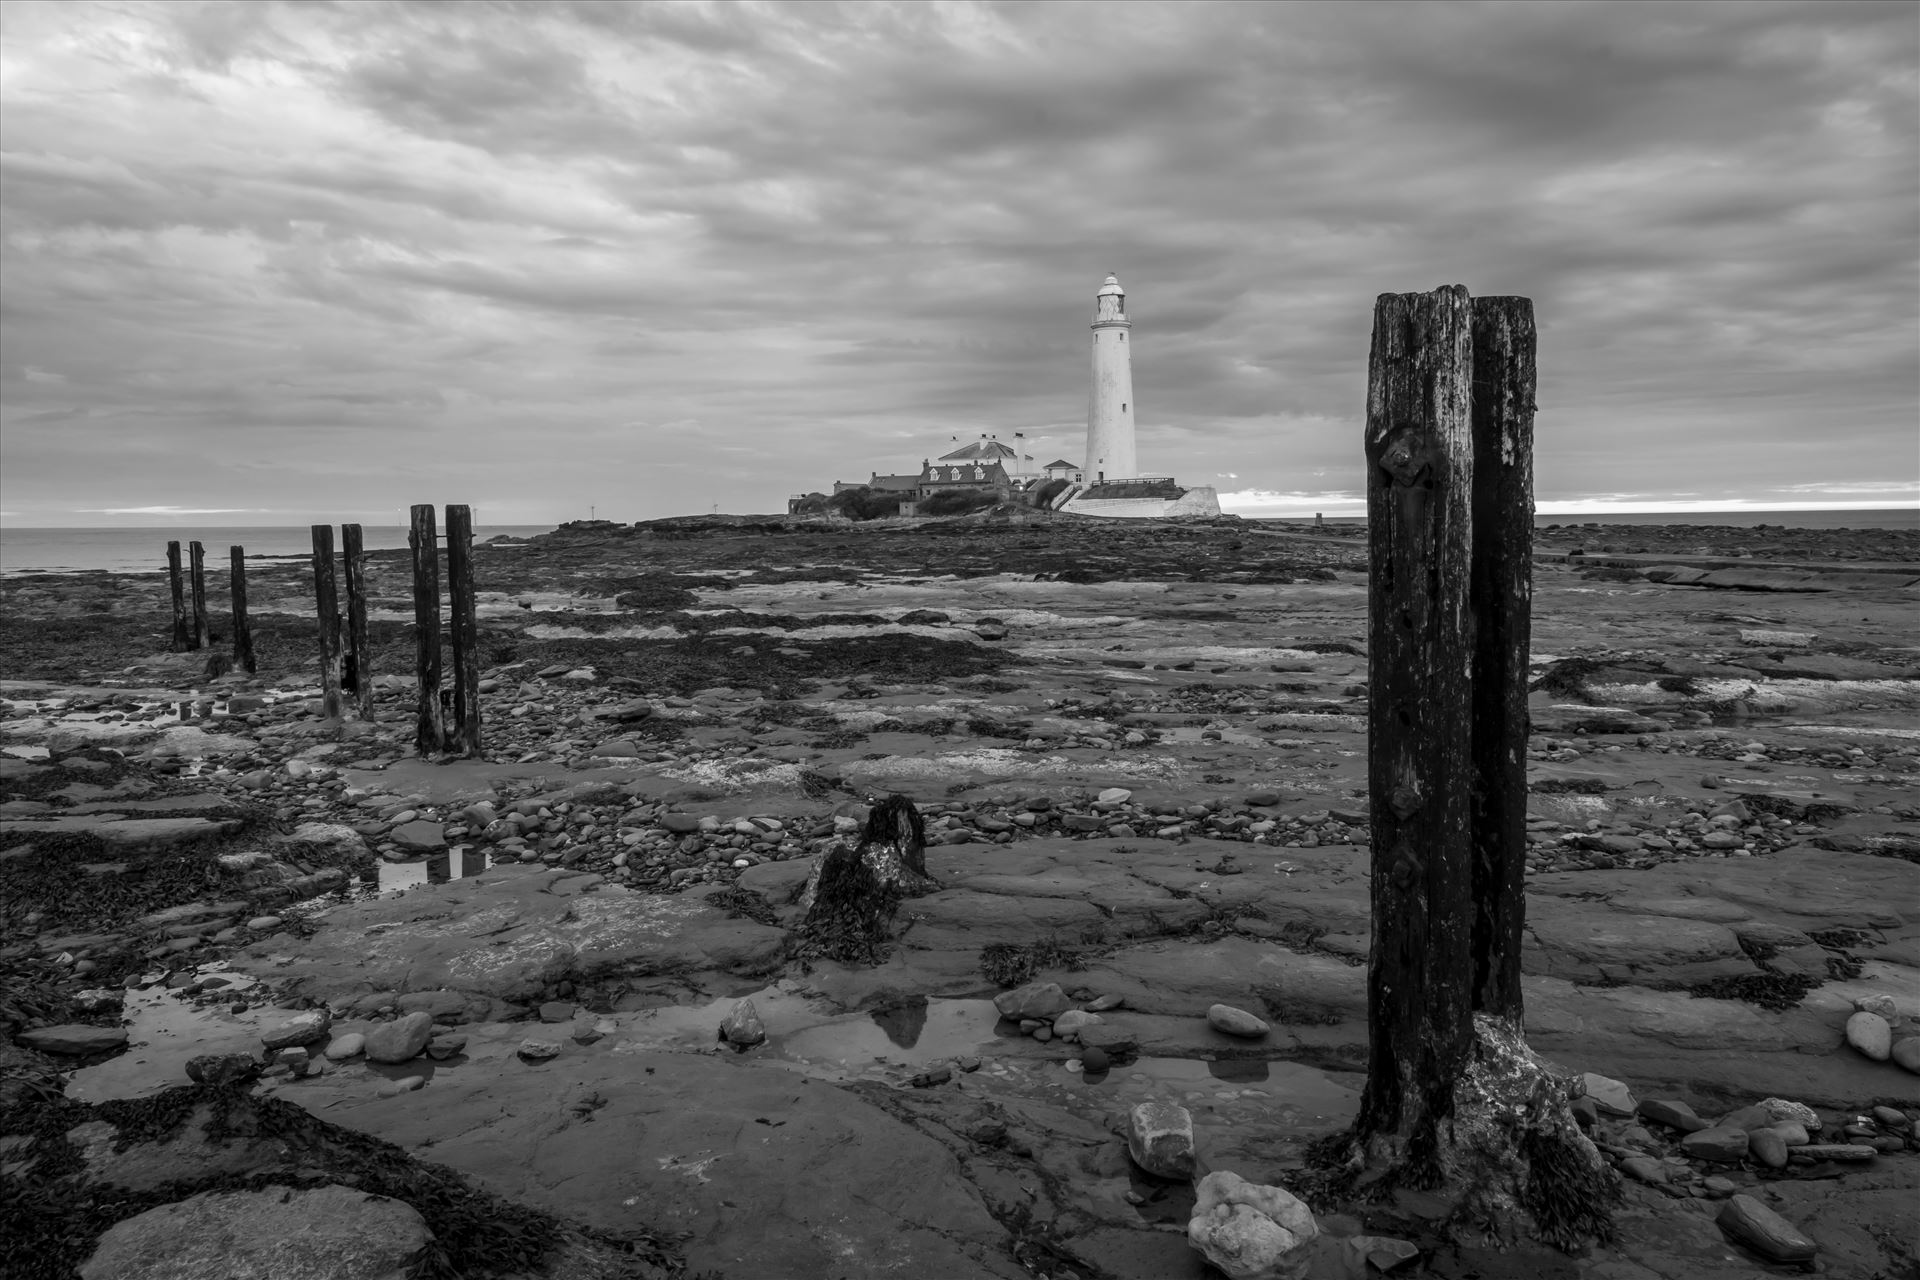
x,y
1419,452
1504,379
242,629
465,628
197,573
180,633
326,602
360,656
430,733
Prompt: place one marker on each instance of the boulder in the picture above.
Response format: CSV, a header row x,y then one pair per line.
x,y
1746,1221
400,1040
223,1068
743,1026
420,835
1249,1231
1160,1139
1907,1053
1609,1095
74,1039
1043,1000
314,1233
1235,1022
1871,1035
1724,1146
1767,1148
302,1028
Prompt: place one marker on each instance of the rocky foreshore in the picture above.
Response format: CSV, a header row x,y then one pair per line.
x,y
1141,765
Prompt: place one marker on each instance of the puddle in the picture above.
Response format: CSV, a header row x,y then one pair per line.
x,y
164,1032
455,864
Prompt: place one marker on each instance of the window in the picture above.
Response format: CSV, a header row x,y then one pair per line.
x,y
1123,406
1123,337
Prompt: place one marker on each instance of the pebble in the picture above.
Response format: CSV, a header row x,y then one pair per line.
x,y
1235,1022
1767,1147
1746,1221
440,1048
1882,1005
1094,1060
1870,1034
1907,1053
303,1028
1673,1114
400,1040
538,1050
743,1026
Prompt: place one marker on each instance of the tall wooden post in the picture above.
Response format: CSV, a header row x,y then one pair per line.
x,y
180,632
197,572
242,629
352,554
430,734
326,602
1504,377
1419,453
462,617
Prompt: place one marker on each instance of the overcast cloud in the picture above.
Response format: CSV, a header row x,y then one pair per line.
x,y
269,263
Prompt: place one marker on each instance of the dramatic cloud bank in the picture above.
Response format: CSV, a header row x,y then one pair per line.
x,y
269,263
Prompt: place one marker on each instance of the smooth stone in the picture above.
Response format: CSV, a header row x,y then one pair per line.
x,y
1871,1035
303,1028
340,1048
440,1048
743,1026
420,834
1767,1147
1160,1139
1035,1000
1844,1152
1644,1169
400,1040
74,1039
405,1084
1094,1059
1907,1054
1070,1024
1794,1135
1889,1118
1249,1231
1723,1146
556,1011
1609,1095
1235,1022
1746,1221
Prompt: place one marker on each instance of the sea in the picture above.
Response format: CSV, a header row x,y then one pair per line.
x,y
129,550
1823,518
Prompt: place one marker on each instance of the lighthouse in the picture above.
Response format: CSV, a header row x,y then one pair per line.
x,y
1110,407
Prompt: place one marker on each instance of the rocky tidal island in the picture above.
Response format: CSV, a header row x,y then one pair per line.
x,y
666,981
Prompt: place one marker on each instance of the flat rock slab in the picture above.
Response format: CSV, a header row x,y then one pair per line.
x,y
772,1174
510,932
315,1233
117,832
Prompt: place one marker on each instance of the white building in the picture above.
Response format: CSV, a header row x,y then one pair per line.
x,y
1110,454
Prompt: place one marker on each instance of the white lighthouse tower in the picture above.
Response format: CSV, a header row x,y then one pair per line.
x,y
1110,408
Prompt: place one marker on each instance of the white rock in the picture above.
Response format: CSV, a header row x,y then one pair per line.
x,y
1610,1096
1784,1111
743,1026
1160,1139
303,1028
1249,1231
343,1047
1870,1034
1113,795
1882,1005
1235,1022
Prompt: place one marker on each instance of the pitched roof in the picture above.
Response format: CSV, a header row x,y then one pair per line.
x,y
906,481
980,450
1060,462
944,472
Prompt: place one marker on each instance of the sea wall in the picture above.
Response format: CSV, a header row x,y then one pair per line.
x,y
1203,501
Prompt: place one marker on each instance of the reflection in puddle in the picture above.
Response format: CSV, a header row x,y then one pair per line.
x,y
1239,1070
456,863
903,1023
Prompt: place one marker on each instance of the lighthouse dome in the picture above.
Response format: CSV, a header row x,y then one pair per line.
x,y
1111,286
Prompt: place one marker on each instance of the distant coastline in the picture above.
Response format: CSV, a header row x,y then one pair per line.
x,y
133,550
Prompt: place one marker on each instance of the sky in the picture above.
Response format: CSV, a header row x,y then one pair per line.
x,y
267,264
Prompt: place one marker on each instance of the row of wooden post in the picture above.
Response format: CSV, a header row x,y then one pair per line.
x,y
190,630
436,732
